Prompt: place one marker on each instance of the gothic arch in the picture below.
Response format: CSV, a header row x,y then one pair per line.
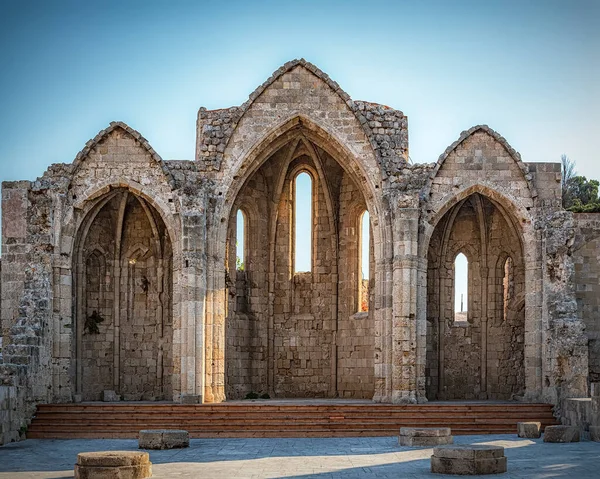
x,y
294,130
136,285
498,138
139,139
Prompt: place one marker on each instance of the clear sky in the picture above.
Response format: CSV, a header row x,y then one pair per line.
x,y
528,69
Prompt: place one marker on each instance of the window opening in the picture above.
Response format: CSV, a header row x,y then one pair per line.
x,y
240,243
303,223
461,288
364,248
508,286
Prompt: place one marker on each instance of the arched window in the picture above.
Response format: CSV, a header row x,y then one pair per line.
x,y
461,287
303,228
364,248
240,241
508,285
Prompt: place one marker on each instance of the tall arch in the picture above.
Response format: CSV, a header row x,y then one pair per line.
x,y
479,358
280,152
123,283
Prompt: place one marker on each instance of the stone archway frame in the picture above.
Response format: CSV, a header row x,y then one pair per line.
x,y
246,165
86,209
521,221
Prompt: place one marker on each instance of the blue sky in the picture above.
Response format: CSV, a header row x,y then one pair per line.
x,y
528,69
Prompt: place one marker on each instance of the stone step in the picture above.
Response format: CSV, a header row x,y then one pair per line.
x,y
106,420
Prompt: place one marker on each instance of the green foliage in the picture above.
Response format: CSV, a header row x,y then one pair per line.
x,y
579,194
92,322
252,395
239,264
265,396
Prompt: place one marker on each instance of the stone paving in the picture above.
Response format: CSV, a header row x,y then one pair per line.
x,y
323,458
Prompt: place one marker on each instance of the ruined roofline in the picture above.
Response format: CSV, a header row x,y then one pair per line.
x,y
285,68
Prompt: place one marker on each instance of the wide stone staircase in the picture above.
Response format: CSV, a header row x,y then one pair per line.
x,y
285,419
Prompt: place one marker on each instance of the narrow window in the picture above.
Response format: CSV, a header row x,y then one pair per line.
x,y
461,287
364,248
303,223
508,286
240,246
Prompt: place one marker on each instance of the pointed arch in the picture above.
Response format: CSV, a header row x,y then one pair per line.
x,y
497,137
139,139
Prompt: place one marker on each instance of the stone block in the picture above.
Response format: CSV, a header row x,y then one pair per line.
x,y
529,429
110,396
469,452
113,465
468,460
561,434
426,441
595,433
425,431
468,467
425,436
163,439
595,389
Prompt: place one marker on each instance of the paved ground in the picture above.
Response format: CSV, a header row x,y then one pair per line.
x,y
347,458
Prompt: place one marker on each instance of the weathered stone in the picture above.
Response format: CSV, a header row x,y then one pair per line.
x,y
425,441
469,452
424,437
113,465
113,458
468,460
120,268
595,433
119,472
110,396
561,434
425,431
529,429
163,439
472,467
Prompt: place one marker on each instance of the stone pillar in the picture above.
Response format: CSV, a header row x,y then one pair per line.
x,y
191,291
406,333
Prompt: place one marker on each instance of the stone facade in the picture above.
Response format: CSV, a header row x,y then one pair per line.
x,y
119,270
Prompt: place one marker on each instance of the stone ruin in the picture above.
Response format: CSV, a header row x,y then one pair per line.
x,y
119,270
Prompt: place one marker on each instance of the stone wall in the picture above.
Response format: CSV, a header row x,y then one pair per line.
x,y
148,246
586,258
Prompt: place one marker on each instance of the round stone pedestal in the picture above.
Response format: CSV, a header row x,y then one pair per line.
x,y
113,465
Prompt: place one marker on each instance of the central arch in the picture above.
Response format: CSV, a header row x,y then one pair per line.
x,y
296,143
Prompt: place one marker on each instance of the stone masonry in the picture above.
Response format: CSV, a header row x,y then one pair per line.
x,y
119,269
